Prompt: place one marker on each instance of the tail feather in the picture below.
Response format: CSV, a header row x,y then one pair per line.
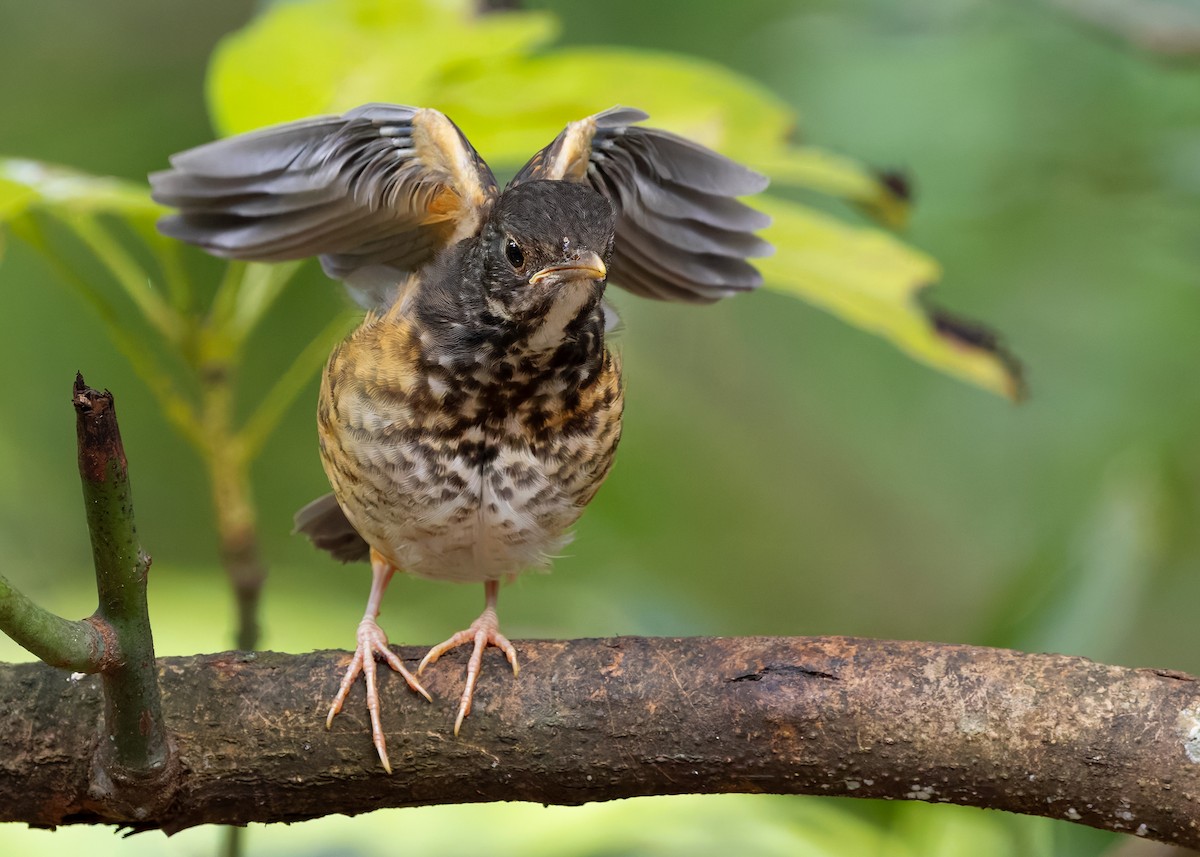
x,y
327,527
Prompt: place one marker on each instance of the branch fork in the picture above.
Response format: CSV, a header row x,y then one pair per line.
x,y
134,769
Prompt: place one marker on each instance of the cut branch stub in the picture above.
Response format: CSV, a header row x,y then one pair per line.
x,y
100,446
135,771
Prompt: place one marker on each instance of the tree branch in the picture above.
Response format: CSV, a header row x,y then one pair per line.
x,y
74,645
594,720
132,772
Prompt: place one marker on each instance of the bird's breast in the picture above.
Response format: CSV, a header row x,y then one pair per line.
x,y
463,475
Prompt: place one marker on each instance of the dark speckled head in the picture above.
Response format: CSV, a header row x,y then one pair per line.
x,y
532,278
542,225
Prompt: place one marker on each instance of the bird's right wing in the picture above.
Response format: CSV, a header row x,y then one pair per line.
x,y
374,192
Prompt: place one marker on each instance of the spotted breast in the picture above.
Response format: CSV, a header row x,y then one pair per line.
x,y
468,467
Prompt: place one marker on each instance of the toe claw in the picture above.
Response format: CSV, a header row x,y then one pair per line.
x,y
396,664
371,642
483,632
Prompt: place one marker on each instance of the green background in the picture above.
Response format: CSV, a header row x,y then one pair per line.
x,y
780,473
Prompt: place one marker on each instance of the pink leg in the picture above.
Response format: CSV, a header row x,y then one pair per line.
x,y
484,632
373,641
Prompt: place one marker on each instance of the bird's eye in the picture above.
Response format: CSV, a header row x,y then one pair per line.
x,y
513,253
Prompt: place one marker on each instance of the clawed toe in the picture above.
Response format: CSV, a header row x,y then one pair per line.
x,y
484,632
372,642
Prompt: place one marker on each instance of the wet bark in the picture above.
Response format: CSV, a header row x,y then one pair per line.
x,y
591,720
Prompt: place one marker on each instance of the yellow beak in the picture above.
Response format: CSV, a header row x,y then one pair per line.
x,y
588,266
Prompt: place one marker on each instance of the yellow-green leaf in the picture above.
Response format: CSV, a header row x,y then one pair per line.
x,y
872,280
370,50
883,197
14,198
515,109
480,69
510,93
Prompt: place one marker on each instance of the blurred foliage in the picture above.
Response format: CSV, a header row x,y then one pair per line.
x,y
499,78
684,826
779,473
208,339
191,360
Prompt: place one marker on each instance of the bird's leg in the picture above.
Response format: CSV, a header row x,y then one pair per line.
x,y
484,632
373,641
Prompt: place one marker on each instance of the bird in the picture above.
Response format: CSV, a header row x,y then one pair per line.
x,y
472,416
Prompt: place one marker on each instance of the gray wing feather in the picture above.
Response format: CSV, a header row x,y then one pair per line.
x,y
366,192
682,234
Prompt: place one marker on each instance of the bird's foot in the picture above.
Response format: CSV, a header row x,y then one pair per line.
x,y
372,641
484,632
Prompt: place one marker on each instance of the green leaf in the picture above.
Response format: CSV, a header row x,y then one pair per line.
x,y
872,280
268,72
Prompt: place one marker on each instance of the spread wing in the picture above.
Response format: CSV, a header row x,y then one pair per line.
x,y
374,193
682,234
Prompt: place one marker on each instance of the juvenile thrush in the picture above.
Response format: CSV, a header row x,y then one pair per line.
x,y
468,421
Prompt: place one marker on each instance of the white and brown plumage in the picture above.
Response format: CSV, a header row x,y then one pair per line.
x,y
468,421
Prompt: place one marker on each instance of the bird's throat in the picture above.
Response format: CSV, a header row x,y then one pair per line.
x,y
551,351
565,319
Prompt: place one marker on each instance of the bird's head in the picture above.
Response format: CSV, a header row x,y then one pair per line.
x,y
546,247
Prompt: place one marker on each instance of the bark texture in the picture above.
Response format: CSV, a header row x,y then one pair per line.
x,y
591,720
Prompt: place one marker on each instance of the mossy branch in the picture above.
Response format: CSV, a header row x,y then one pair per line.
x,y
137,746
132,770
76,646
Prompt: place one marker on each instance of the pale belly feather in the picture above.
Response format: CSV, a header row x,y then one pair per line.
x,y
459,480
481,506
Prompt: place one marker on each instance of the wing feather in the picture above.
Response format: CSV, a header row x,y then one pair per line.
x,y
681,234
379,189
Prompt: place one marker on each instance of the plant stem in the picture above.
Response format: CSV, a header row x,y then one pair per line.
x,y
233,501
234,839
129,274
76,646
271,408
179,286
178,410
133,711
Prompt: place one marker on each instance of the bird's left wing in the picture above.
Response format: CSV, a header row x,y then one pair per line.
x,y
374,192
682,234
